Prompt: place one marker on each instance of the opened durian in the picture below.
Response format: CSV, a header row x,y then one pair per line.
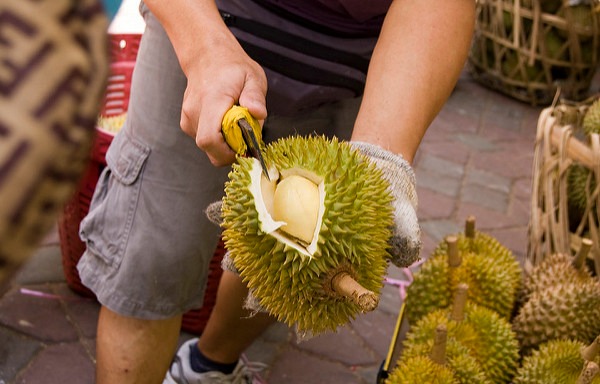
x,y
311,243
560,362
563,311
477,259
488,337
436,359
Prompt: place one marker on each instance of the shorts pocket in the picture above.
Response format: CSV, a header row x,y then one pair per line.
x,y
107,226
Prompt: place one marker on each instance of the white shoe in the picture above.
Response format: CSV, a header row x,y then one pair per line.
x,y
181,371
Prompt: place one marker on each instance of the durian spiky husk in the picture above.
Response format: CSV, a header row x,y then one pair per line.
x,y
578,176
563,311
554,270
591,120
492,272
555,362
580,184
420,369
459,360
487,336
352,238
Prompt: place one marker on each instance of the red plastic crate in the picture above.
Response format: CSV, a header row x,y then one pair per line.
x,y
116,101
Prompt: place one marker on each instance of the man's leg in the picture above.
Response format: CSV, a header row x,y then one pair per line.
x,y
231,328
133,351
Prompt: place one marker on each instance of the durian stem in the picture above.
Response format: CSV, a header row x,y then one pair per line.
x,y
470,227
454,259
589,372
438,351
584,250
591,351
344,285
459,303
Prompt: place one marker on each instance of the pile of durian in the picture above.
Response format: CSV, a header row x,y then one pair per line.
x,y
311,240
464,294
561,300
491,270
476,316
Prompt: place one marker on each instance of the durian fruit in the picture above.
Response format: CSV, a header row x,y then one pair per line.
x,y
559,362
550,6
581,179
420,369
558,269
487,336
554,46
483,244
591,119
580,183
581,21
517,68
438,359
492,272
564,311
314,275
111,124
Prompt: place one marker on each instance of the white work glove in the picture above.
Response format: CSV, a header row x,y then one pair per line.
x,y
251,303
405,244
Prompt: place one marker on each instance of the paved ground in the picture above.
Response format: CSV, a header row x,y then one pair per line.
x,y
476,160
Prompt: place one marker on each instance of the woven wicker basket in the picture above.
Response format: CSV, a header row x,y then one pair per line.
x,y
555,226
528,49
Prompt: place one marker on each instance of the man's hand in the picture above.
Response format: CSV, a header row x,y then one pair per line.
x,y
219,79
219,72
405,244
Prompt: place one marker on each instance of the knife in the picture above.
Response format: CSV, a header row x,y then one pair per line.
x,y
252,144
239,126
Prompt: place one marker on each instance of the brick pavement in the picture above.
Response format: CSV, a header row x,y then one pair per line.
x,y
475,160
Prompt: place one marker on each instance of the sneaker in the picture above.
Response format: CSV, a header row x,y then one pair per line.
x,y
181,371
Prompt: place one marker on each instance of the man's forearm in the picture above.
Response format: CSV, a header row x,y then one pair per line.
x,y
416,63
193,26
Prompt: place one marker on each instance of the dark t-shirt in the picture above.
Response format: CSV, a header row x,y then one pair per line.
x,y
346,16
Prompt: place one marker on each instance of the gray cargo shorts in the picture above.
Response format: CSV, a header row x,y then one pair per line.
x,y
149,244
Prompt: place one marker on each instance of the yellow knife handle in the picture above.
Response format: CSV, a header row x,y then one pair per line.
x,y
232,132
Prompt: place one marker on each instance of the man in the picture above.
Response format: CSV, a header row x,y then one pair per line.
x,y
149,243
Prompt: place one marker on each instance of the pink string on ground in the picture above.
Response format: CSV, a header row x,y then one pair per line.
x,y
403,284
51,296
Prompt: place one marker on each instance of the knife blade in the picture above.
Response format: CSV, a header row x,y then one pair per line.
x,y
252,145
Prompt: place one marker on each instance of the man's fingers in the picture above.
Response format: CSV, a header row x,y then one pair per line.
x,y
255,102
210,138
